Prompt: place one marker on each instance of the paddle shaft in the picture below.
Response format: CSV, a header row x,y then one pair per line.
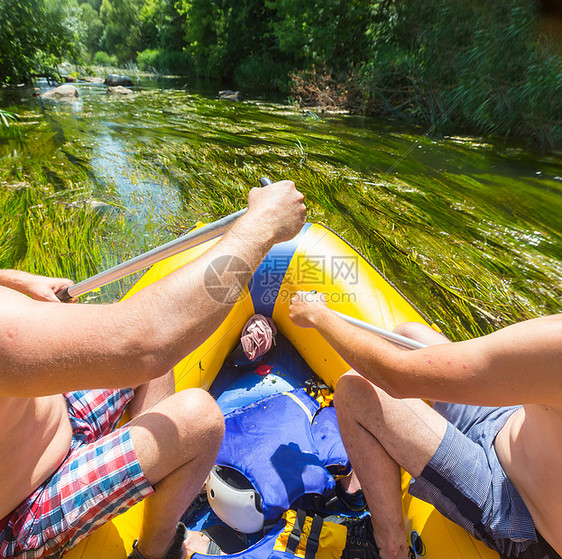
x,y
190,240
397,339
185,242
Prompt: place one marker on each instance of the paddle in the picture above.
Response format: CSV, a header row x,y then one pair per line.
x,y
190,240
187,241
397,339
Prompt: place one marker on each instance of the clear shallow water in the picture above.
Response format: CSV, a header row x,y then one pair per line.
x,y
470,229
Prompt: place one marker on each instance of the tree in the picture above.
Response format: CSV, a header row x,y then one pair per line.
x,y
326,32
221,34
122,33
35,35
162,25
93,27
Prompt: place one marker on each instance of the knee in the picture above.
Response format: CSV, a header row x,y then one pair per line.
x,y
411,329
346,388
352,393
199,416
420,332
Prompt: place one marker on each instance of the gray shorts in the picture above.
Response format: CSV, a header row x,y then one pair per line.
x,y
466,483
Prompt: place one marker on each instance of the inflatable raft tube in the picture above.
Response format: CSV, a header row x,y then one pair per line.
x,y
316,259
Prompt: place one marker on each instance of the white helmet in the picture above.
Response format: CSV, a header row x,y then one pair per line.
x,y
234,500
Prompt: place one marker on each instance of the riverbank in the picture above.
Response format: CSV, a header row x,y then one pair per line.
x,y
454,68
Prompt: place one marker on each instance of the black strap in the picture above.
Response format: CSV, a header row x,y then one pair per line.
x,y
136,554
295,535
314,537
175,550
226,539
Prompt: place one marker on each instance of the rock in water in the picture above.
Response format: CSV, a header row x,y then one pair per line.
x,y
114,79
119,90
230,95
62,92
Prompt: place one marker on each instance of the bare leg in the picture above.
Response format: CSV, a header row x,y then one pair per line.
x,y
176,442
146,396
380,432
151,393
351,483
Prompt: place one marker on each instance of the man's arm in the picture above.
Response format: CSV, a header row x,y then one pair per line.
x,y
48,348
518,364
40,288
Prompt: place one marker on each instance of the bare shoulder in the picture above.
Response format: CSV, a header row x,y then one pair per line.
x,y
530,356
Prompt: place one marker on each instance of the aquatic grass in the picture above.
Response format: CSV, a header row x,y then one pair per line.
x,y
387,219
44,235
468,228
50,225
7,118
479,259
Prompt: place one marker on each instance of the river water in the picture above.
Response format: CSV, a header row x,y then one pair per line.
x,y
468,228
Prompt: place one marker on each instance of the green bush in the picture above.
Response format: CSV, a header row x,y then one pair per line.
x,y
221,34
318,32
101,58
149,60
164,61
260,72
465,65
35,36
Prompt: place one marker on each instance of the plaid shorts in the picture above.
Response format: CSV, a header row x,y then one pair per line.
x,y
465,481
99,479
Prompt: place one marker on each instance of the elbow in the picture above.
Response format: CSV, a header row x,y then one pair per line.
x,y
155,341
150,365
150,358
145,349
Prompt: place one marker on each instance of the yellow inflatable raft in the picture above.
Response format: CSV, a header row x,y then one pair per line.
x,y
317,259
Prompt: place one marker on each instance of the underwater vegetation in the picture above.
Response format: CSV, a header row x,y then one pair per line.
x,y
467,228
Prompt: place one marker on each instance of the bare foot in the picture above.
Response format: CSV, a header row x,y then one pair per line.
x,y
195,542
